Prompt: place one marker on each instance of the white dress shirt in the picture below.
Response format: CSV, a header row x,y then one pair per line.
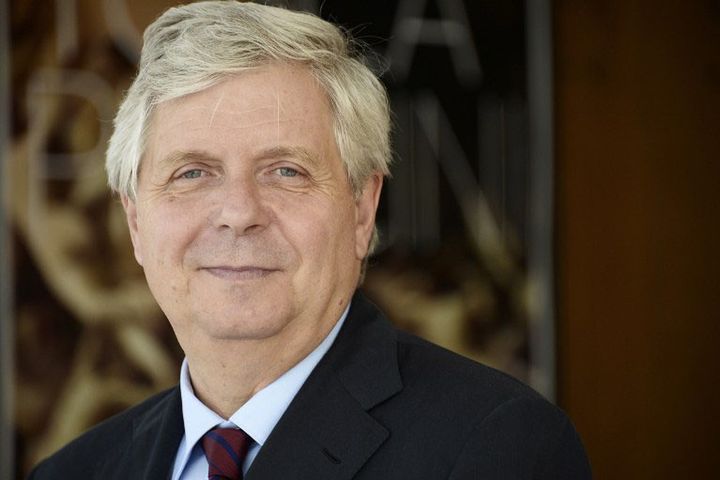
x,y
257,417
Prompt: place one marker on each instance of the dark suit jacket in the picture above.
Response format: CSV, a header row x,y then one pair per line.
x,y
380,405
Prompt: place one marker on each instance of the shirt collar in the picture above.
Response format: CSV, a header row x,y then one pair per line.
x,y
259,415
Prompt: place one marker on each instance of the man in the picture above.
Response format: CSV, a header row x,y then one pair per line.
x,y
249,155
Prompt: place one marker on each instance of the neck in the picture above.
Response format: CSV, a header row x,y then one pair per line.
x,y
226,373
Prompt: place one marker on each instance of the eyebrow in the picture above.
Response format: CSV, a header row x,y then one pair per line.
x,y
180,156
298,152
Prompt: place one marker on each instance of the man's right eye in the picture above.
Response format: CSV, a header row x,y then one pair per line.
x,y
190,174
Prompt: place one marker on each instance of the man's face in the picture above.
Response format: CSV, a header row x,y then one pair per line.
x,y
244,221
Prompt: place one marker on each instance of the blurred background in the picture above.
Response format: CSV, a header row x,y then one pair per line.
x,y
550,213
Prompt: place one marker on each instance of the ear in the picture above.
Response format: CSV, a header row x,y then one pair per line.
x,y
365,208
131,216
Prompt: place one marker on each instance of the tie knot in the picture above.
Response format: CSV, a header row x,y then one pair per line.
x,y
225,450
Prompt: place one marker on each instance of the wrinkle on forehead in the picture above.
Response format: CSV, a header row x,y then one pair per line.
x,y
217,104
272,110
277,117
234,112
239,118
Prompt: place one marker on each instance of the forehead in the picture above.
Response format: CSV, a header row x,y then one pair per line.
x,y
273,104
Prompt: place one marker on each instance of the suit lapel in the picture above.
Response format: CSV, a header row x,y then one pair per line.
x,y
327,432
156,436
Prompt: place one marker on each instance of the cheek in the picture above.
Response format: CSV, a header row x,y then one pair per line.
x,y
322,234
165,233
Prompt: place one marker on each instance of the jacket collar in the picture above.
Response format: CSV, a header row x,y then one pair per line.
x,y
327,432
156,436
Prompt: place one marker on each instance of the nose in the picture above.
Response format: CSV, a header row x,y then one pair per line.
x,y
239,207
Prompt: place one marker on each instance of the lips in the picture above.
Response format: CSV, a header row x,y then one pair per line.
x,y
238,273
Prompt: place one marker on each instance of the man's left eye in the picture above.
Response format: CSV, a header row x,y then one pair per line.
x,y
287,172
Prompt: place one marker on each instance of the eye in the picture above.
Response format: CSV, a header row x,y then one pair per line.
x,y
190,174
287,172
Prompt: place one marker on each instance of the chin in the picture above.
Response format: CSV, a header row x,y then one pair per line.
x,y
240,326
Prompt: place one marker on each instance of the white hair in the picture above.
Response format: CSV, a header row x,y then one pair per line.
x,y
193,47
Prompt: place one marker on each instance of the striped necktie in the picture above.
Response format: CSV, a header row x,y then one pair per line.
x,y
225,450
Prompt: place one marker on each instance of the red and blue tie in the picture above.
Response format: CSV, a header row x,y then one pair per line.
x,y
225,450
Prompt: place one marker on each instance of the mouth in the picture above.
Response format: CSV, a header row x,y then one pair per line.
x,y
239,273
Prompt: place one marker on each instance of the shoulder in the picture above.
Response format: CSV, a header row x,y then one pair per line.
x,y
493,425
444,381
424,368
439,368
82,455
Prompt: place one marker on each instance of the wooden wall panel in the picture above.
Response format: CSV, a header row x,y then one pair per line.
x,y
638,212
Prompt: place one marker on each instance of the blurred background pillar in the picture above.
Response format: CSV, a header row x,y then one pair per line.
x,y
7,337
638,180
